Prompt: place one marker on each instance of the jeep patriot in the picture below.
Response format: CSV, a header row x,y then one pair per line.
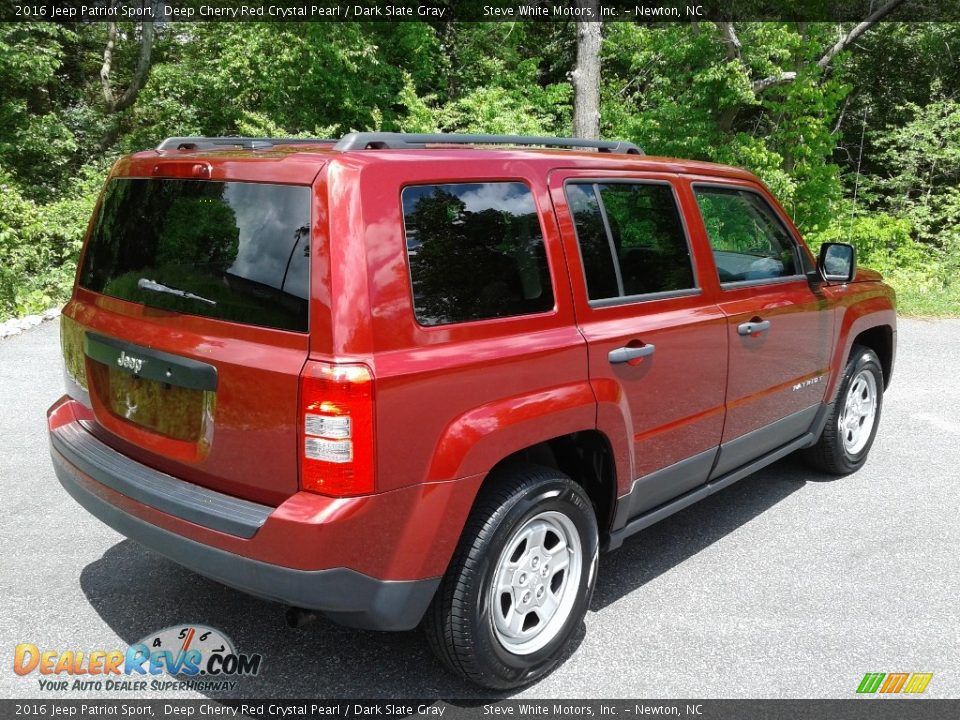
x,y
403,380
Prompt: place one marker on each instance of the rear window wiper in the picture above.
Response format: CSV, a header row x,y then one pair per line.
x,y
154,286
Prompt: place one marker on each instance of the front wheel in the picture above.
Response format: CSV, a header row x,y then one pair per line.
x,y
853,418
520,581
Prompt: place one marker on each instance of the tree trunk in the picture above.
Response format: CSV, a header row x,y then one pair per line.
x,y
143,68
450,46
113,104
586,75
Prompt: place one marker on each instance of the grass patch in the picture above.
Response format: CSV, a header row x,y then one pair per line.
x,y
925,298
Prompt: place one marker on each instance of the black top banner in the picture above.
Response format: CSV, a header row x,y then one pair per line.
x,y
639,11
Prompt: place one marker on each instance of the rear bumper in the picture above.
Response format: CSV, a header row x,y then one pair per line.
x,y
238,543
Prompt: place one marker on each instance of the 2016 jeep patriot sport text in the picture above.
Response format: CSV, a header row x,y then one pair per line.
x,y
400,379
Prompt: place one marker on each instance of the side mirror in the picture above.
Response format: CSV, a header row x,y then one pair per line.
x,y
837,262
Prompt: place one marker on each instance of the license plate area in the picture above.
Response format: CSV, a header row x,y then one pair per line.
x,y
166,394
175,412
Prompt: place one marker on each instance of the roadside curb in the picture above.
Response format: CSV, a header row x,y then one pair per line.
x,y
15,326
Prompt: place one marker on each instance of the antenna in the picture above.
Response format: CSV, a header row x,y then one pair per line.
x,y
856,182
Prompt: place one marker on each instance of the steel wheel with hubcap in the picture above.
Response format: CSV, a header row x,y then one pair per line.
x,y
856,420
536,582
520,580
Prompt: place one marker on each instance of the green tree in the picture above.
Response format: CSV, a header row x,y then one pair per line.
x,y
36,141
851,125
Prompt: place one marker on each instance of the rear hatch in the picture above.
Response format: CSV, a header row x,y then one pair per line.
x,y
189,328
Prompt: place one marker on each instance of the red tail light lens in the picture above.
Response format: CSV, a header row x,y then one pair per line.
x,y
336,427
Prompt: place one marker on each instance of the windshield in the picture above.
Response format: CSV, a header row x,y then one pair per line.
x,y
226,250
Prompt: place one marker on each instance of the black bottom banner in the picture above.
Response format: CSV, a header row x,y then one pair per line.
x,y
852,709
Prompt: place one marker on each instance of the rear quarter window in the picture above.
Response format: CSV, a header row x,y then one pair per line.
x,y
475,252
225,250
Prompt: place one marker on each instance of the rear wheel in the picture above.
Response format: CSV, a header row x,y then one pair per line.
x,y
854,416
520,581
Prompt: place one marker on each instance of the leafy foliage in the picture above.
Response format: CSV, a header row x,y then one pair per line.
x,y
922,163
39,245
866,149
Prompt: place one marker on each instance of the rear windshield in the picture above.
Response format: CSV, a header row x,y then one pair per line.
x,y
226,250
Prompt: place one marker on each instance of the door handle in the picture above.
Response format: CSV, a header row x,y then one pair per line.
x,y
753,328
626,354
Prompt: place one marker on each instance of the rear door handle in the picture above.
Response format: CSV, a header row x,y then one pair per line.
x,y
753,328
626,354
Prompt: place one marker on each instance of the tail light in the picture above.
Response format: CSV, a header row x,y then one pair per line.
x,y
336,422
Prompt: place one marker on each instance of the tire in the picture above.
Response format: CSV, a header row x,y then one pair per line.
x,y
854,416
525,524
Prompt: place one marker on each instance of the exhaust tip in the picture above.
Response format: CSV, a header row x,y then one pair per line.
x,y
298,617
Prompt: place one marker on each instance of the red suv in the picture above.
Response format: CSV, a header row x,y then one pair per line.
x,y
400,379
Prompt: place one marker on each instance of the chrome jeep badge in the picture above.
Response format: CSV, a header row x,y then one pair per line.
x,y
130,362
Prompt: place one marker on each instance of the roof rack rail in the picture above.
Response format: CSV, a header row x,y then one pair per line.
x,y
381,140
249,143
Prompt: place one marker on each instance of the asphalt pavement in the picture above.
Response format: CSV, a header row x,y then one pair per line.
x,y
787,584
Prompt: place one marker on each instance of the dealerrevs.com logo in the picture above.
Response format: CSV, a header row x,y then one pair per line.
x,y
201,657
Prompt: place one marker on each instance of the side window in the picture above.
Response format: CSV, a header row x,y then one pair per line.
x,y
631,239
476,252
595,249
748,241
